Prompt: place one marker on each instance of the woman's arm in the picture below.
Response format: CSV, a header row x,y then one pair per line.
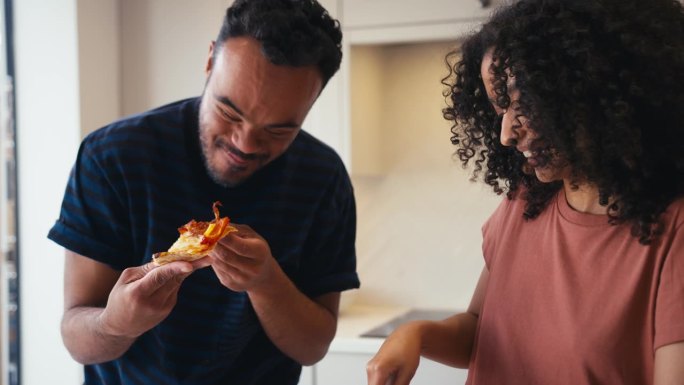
x,y
669,365
449,341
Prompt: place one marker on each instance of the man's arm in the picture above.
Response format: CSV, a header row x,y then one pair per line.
x,y
106,310
300,327
87,284
669,365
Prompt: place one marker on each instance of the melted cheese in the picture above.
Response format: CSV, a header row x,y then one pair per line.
x,y
190,244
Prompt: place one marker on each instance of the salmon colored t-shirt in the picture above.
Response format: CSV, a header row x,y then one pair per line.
x,y
574,300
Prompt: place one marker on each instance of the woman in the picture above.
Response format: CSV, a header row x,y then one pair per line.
x,y
574,110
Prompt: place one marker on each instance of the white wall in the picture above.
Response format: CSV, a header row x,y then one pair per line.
x,y
47,101
164,49
99,61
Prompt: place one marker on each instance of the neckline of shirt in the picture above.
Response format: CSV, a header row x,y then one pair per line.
x,y
575,217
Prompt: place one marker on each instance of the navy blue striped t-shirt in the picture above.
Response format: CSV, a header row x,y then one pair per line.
x,y
137,180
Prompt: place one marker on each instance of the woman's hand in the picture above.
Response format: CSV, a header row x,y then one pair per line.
x,y
397,360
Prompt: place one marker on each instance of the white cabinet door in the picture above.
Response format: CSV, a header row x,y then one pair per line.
x,y
350,369
377,13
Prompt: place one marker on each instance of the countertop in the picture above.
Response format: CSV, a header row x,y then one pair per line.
x,y
349,352
359,319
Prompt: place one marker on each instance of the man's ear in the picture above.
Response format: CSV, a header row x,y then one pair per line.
x,y
210,59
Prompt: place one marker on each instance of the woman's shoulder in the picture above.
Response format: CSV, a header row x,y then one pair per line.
x,y
511,208
674,213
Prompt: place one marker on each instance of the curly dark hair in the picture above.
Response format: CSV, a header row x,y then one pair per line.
x,y
601,84
292,32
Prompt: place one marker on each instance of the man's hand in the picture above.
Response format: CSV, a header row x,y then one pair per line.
x,y
142,297
242,260
301,327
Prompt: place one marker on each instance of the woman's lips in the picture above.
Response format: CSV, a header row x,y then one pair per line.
x,y
531,158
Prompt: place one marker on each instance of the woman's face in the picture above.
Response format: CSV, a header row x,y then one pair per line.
x,y
515,130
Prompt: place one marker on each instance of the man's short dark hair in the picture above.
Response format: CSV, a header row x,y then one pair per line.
x,y
294,33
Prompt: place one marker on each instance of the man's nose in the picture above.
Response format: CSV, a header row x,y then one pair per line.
x,y
246,139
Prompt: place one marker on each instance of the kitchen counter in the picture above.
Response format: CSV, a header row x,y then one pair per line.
x,y
349,352
377,321
358,319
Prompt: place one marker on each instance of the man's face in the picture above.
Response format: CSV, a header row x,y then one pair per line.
x,y
251,109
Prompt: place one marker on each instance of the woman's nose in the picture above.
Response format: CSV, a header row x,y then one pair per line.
x,y
509,132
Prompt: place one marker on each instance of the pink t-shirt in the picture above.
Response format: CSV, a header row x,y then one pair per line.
x,y
574,300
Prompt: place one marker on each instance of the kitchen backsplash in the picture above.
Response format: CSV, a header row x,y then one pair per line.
x,y
419,216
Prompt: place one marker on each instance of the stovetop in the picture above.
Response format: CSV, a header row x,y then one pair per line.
x,y
388,327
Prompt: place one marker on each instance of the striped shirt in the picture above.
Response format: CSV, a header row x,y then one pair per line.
x,y
137,180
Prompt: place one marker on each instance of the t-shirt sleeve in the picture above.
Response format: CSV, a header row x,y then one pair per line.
x,y
92,220
329,263
669,316
491,232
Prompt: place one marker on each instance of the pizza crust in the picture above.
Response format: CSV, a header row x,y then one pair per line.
x,y
166,257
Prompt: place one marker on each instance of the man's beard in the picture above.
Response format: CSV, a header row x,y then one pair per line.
x,y
218,177
224,178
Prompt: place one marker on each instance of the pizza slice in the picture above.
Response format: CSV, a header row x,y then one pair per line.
x,y
196,239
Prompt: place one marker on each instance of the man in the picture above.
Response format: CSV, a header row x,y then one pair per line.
x,y
265,301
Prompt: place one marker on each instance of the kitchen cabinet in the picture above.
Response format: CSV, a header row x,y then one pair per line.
x,y
357,14
376,22
405,21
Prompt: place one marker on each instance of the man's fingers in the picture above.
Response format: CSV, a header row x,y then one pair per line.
x,y
236,244
173,273
201,263
242,230
133,274
241,250
229,257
